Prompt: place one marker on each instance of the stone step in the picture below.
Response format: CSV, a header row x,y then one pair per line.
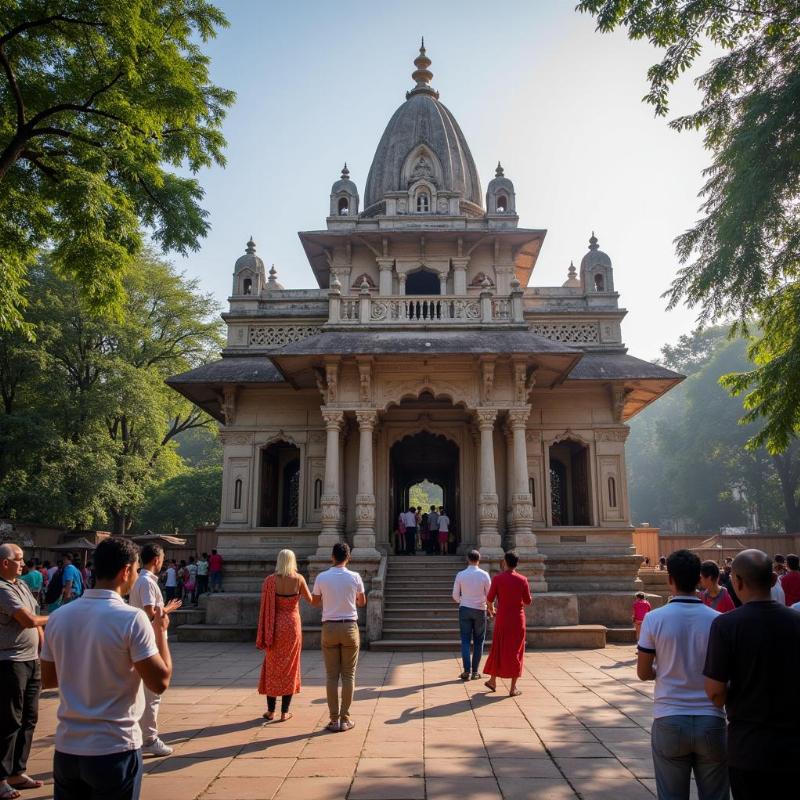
x,y
186,616
433,612
620,634
398,593
216,633
393,620
420,604
419,632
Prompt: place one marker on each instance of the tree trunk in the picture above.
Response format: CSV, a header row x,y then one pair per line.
x,y
786,468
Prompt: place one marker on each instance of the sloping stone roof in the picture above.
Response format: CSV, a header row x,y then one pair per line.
x,y
619,366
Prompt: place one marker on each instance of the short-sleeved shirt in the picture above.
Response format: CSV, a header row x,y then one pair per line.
x,y
338,587
94,643
755,649
444,523
202,568
722,602
145,591
790,583
215,563
433,521
72,573
677,634
191,570
410,518
34,580
17,643
641,608
172,577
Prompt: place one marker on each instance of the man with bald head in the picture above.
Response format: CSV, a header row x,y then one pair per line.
x,y
752,668
20,676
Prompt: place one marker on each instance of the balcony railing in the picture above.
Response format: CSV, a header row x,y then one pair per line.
x,y
368,309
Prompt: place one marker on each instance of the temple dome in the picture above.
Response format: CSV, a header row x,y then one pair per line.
x,y
423,123
595,257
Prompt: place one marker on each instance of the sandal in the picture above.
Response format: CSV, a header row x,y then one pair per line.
x,y
268,716
347,725
333,726
490,687
287,716
515,693
8,792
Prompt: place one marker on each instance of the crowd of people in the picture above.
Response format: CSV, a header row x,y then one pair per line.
x,y
428,531
724,655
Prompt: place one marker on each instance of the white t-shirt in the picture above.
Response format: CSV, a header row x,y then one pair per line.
x,y
50,572
202,567
172,577
145,591
338,587
410,519
678,635
777,593
94,643
471,587
444,523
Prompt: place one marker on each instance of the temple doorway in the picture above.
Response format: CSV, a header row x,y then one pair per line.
x,y
280,486
428,460
569,484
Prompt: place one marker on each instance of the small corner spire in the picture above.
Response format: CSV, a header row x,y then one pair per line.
x,y
250,249
593,242
499,173
345,172
571,272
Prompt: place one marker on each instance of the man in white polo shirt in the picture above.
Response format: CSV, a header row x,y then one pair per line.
x,y
340,592
146,594
97,651
688,732
469,591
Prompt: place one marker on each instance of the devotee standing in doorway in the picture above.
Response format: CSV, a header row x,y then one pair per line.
x,y
280,634
512,593
340,592
20,677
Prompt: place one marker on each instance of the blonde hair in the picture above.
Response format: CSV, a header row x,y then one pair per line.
x,y
286,565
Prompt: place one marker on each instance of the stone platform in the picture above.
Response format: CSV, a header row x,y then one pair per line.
x,y
580,729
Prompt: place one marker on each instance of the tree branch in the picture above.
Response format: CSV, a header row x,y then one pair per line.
x,y
15,90
38,23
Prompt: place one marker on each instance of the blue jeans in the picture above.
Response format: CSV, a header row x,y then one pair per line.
x,y
472,623
116,776
216,580
686,743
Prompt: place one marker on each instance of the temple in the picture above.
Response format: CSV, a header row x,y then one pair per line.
x,y
426,354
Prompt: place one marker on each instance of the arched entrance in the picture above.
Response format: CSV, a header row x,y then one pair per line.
x,y
423,281
280,486
425,456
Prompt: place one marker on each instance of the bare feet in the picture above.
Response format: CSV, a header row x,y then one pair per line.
x,y
492,687
287,715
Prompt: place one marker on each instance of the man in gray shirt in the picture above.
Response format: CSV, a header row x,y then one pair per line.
x,y
20,677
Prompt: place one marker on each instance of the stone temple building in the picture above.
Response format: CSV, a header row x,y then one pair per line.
x,y
428,353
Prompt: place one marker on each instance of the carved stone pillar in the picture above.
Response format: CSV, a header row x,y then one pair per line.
x,y
459,275
364,537
442,283
331,494
488,536
385,265
401,283
523,537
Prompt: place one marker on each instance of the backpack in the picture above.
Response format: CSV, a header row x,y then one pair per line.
x,y
55,587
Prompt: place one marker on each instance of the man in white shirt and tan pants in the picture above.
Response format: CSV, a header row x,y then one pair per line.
x,y
340,592
469,591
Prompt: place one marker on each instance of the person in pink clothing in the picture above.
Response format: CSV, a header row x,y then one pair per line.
x,y
215,571
640,609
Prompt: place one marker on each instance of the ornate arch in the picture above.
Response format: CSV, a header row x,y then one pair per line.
x,y
567,435
280,436
394,392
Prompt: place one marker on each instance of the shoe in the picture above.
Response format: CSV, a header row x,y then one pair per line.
x,y
156,748
476,676
346,725
465,676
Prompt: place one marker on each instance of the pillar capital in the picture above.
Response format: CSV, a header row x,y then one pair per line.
x,y
366,417
333,418
518,417
485,418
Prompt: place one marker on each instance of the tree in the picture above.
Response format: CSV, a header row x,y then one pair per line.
x,y
100,102
95,426
742,258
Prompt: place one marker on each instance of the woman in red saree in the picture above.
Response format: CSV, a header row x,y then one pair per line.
x,y
512,593
280,635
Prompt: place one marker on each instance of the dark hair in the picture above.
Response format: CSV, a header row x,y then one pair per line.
x,y
29,563
341,552
640,595
684,567
474,556
112,555
792,561
213,552
150,552
709,569
511,558
205,555
67,555
779,559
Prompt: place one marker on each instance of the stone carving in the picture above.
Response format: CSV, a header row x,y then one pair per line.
x,y
330,508
487,370
235,438
577,332
279,335
332,381
478,280
395,391
422,170
485,417
533,436
612,435
522,505
281,436
228,405
618,394
517,417
567,434
316,437
501,309
365,381
487,508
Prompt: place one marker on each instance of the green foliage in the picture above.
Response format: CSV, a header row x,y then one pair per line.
x,y
688,458
88,424
742,258
184,502
101,102
426,494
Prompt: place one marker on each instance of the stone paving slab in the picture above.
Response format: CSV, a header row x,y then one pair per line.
x,y
579,731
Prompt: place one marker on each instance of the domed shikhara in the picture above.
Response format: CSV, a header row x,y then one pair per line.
x,y
422,142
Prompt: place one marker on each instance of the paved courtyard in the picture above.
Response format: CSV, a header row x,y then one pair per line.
x,y
579,730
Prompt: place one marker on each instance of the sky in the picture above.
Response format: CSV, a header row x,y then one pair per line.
x,y
532,84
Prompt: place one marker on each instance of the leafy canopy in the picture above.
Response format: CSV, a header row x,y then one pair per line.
x,y
741,259
102,104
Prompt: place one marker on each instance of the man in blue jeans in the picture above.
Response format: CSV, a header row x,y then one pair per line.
x,y
469,591
688,733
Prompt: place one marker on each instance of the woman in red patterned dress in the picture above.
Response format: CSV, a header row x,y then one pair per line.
x,y
280,635
513,593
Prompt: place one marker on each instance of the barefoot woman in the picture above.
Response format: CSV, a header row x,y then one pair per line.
x,y
513,593
280,635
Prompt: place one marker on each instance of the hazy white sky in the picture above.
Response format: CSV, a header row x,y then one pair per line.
x,y
531,84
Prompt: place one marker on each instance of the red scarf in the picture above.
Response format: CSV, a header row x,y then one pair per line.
x,y
266,615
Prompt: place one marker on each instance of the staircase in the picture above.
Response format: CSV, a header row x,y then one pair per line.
x,y
419,612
